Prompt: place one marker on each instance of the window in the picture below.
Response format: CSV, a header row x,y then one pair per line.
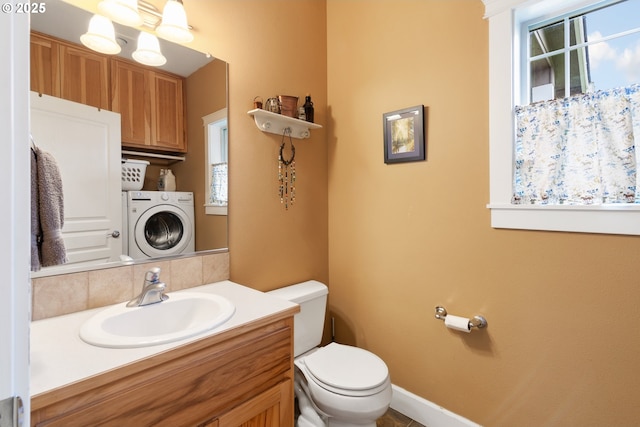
x,y
217,149
592,49
515,26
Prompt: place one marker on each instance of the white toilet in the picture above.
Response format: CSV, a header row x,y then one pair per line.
x,y
336,385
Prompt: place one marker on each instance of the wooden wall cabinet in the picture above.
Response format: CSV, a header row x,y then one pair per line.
x,y
44,71
152,106
235,379
151,103
70,72
129,96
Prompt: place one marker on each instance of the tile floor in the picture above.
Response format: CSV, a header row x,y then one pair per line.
x,y
394,418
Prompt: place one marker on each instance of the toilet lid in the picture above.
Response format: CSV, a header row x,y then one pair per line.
x,y
347,368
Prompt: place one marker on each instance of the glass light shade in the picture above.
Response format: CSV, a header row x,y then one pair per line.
x,y
148,51
101,36
124,12
174,23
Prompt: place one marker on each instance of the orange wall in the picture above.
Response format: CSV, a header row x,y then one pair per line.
x,y
275,47
206,93
561,346
394,241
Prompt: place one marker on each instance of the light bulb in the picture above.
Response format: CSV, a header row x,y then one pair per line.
x,y
101,36
174,23
124,12
148,51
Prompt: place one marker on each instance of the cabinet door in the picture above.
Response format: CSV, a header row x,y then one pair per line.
x,y
167,112
84,76
130,98
44,66
272,408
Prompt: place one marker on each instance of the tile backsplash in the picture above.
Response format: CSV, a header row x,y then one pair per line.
x,y
68,293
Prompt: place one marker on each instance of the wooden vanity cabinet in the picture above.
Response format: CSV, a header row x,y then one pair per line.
x,y
243,377
69,71
152,107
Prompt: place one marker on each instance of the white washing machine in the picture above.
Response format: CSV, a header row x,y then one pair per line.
x,y
160,223
125,223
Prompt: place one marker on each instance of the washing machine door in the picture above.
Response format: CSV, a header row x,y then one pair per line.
x,y
163,230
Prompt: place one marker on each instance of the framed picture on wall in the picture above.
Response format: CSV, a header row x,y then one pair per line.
x,y
404,135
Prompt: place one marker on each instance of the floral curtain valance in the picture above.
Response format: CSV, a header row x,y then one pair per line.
x,y
578,150
219,192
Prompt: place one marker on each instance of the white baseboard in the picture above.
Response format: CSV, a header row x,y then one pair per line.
x,y
425,412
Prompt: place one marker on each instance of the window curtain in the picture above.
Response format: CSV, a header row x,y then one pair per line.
x,y
578,150
219,184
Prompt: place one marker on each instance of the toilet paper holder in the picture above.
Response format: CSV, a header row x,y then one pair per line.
x,y
474,322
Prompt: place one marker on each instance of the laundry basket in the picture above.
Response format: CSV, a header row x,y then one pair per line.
x,y
133,172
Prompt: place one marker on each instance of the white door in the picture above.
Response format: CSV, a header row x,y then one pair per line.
x,y
85,142
14,215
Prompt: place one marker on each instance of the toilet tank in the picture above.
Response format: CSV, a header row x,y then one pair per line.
x,y
308,324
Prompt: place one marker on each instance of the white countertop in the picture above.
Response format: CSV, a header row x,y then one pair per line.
x,y
59,357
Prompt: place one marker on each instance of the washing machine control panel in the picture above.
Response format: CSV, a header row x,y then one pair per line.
x,y
161,196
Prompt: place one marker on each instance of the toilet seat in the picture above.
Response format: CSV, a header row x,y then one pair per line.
x,y
347,370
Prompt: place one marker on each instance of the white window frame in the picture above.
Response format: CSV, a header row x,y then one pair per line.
x,y
217,119
505,20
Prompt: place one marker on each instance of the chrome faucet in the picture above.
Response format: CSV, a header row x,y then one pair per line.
x,y
152,290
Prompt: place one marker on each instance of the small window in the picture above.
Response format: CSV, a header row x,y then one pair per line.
x,y
217,149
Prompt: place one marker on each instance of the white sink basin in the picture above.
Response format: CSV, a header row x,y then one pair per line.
x,y
183,315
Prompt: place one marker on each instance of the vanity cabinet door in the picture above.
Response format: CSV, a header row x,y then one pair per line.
x,y
269,409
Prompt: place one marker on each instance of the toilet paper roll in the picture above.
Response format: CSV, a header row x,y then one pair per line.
x,y
458,323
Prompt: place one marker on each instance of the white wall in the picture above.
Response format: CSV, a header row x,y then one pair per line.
x,y
14,216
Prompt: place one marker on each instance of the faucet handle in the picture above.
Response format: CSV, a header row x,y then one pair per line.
x,y
153,275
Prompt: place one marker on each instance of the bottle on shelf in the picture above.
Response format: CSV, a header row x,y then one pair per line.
x,y
162,179
169,181
308,108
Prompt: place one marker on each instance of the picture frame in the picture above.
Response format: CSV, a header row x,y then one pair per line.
x,y
404,135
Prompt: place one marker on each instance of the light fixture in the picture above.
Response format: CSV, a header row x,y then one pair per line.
x,y
148,51
101,36
174,23
170,25
124,12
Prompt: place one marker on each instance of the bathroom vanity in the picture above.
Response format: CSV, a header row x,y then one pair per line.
x,y
240,373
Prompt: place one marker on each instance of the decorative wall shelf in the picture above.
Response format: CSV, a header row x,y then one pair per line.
x,y
277,123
